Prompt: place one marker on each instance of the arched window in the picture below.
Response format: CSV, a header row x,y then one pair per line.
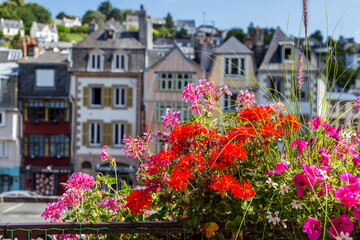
x,y
86,165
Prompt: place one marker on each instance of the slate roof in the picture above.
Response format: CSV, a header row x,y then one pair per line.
x,y
182,23
48,57
155,56
122,38
40,27
12,24
172,41
231,46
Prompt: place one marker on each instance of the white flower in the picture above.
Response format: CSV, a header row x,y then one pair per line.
x,y
272,183
284,188
283,223
273,217
324,174
296,204
344,236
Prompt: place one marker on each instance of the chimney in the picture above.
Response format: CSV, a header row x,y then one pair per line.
x,y
145,29
92,26
24,48
258,37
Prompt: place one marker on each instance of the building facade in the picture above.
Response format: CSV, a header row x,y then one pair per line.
x,y
107,86
46,109
10,157
44,32
10,28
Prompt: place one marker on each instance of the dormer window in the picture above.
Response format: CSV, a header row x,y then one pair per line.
x,y
96,61
119,61
287,51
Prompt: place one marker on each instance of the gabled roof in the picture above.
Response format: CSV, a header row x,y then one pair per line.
x,y
122,38
169,53
181,23
13,24
232,46
41,26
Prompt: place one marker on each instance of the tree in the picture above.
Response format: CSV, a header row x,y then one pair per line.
x,y
105,8
1,34
19,3
116,14
42,15
16,42
27,17
268,34
97,15
317,35
181,34
62,29
236,32
61,15
9,5
8,14
169,22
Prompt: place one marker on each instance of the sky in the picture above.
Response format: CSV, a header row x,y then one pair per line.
x,y
331,17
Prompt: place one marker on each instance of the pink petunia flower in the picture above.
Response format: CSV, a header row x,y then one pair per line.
x,y
348,178
315,123
341,224
325,189
357,103
357,215
300,144
171,119
312,228
301,181
279,169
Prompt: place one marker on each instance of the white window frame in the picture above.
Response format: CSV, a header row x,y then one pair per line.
x,y
121,127
162,108
2,118
45,78
3,149
96,133
122,62
241,66
229,102
118,97
91,97
96,60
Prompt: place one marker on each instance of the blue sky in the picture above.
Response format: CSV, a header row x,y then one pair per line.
x,y
343,15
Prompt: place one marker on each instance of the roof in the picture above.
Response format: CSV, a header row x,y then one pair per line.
x,y
41,26
47,57
13,24
172,41
61,45
181,23
232,46
122,38
155,55
8,68
9,55
342,96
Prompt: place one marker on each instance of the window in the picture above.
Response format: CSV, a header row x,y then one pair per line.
x,y
287,54
95,62
95,134
45,78
57,111
59,145
2,118
229,103
173,81
2,149
36,110
163,108
235,66
86,165
119,97
36,145
276,88
95,96
119,62
118,134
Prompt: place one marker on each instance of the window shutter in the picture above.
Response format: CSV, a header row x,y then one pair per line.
x,y
86,91
106,96
107,134
128,130
85,134
129,98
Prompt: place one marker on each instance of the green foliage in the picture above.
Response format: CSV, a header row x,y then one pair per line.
x,y
181,34
82,29
16,42
62,29
116,14
317,35
105,8
62,14
10,5
165,32
268,34
169,21
27,16
1,34
18,2
8,13
236,32
97,15
42,15
64,37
